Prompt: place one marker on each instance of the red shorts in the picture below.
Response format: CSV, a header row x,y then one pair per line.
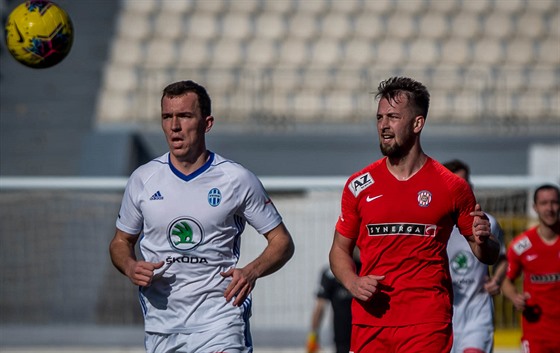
x,y
422,338
529,345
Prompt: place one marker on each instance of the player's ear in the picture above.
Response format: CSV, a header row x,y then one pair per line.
x,y
419,122
209,123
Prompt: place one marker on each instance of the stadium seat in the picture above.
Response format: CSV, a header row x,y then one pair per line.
x,y
357,53
194,53
226,54
346,7
488,51
542,79
378,7
176,7
414,7
316,80
498,25
294,52
237,26
139,7
369,26
211,7
423,52
339,105
204,26
549,51
509,7
131,25
325,53
160,53
114,107
465,25
390,53
477,7
245,6
261,53
402,25
270,25
278,7
443,8
311,8
466,105
120,78
126,51
168,25
530,24
456,51
433,25
303,26
309,105
335,26
520,52
285,80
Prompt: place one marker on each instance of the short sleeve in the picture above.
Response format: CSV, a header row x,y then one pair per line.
x,y
348,222
130,219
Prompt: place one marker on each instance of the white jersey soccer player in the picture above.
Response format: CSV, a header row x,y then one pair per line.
x,y
193,223
473,308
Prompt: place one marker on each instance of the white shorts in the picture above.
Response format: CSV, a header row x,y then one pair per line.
x,y
483,340
234,338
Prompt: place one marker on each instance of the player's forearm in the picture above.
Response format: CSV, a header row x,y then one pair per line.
x,y
122,254
508,289
342,265
487,252
278,252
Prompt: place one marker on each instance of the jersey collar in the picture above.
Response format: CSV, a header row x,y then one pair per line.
x,y
194,174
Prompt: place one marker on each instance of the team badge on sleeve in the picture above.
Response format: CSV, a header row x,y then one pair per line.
x,y
360,183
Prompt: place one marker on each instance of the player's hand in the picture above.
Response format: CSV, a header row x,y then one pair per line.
x,y
141,273
312,343
520,301
481,225
492,287
241,285
363,288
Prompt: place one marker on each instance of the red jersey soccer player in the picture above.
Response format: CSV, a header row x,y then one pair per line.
x,y
400,211
536,253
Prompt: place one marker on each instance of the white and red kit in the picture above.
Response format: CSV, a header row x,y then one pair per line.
x,y
540,264
402,229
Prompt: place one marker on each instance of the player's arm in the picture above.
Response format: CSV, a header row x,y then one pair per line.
x,y
499,273
483,244
279,250
510,291
344,269
123,257
316,319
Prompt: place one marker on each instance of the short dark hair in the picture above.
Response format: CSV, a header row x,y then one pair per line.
x,y
546,187
180,88
417,94
456,165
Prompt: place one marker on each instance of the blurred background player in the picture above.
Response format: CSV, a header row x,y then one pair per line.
x,y
473,287
400,211
331,290
191,206
535,254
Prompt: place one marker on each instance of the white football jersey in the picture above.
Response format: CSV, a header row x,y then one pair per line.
x,y
193,223
472,305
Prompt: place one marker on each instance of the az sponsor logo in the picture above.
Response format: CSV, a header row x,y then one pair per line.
x,y
360,183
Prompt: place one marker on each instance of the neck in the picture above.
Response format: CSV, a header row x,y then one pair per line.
x,y
405,167
548,234
188,165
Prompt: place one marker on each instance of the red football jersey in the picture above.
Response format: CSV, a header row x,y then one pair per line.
x,y
402,229
540,264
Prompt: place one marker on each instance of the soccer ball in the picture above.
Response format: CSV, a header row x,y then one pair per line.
x,y
39,33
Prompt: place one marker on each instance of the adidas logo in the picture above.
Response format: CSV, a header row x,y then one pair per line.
x,y
156,196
